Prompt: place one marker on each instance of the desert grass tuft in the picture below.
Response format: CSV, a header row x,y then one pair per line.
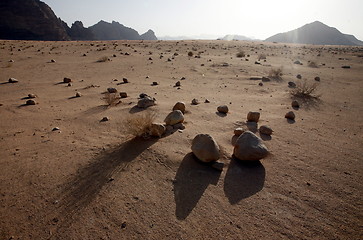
x,y
111,99
275,73
240,54
139,124
103,59
305,90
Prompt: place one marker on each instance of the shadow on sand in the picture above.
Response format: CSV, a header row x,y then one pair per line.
x,y
243,179
191,180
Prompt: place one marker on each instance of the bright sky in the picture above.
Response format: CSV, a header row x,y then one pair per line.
x,y
252,18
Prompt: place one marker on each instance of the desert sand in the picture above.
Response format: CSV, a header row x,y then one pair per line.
x,y
90,179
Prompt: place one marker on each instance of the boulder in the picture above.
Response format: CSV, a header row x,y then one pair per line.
x,y
253,116
264,129
205,148
157,129
146,102
174,117
223,109
249,147
179,106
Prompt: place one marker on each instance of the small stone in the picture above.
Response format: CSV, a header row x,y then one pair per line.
x,y
123,94
105,119
143,95
298,76
112,90
174,117
295,104
205,148
56,129
218,166
297,62
155,83
195,101
67,80
291,84
346,67
290,115
53,61
146,102
249,147
317,79
31,95
260,84
13,80
238,131
123,225
179,106
207,101
182,78
31,102
69,85
78,94
177,84
222,109
253,116
157,129
125,80
266,130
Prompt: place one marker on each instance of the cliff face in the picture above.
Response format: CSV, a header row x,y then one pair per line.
x,y
30,20
79,32
149,35
113,31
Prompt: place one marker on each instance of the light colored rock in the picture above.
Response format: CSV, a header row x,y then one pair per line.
x,y
238,131
264,129
13,80
157,129
290,115
179,106
31,95
223,109
249,147
174,117
105,119
205,148
78,94
146,102
253,116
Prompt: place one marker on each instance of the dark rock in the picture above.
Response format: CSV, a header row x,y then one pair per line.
x,y
291,84
253,116
290,115
31,102
222,109
67,80
249,147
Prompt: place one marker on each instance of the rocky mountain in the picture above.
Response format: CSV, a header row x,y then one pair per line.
x,y
29,20
315,33
149,35
78,32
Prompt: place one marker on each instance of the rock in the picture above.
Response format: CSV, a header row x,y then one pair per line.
x,y
182,78
177,84
297,62
205,148
295,104
223,109
13,80
298,76
69,85
112,90
105,119
53,61
292,84
31,102
179,106
67,80
290,115
253,116
346,67
125,80
169,128
238,131
264,129
317,79
265,79
195,101
157,129
142,95
155,83
31,95
123,94
179,126
56,129
78,94
218,166
146,102
249,147
260,84
174,117
207,101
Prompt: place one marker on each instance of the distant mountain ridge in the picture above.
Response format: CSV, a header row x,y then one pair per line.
x,y
315,33
231,37
35,20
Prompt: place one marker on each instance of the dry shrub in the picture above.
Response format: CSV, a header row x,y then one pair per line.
x,y
103,59
111,99
240,54
305,89
139,124
190,54
262,56
313,64
275,73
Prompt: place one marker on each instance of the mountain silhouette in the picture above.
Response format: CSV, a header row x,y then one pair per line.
x,y
315,33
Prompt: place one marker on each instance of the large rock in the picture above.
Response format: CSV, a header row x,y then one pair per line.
x,y
205,148
146,102
249,147
253,116
157,129
174,117
179,106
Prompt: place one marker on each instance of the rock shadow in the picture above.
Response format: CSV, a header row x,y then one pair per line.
x,y
308,102
221,114
96,110
243,179
191,180
252,126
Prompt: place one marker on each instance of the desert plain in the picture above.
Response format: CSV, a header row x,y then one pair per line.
x,y
66,174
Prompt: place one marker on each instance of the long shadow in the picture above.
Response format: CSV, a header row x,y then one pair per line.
x,y
80,191
308,103
243,180
191,180
96,110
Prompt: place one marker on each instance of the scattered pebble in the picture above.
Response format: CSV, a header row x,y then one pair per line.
x,y
292,84
125,80
177,84
78,94
298,76
195,101
317,79
56,129
123,94
67,80
105,119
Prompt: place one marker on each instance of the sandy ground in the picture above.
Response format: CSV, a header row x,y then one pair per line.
x,y
91,180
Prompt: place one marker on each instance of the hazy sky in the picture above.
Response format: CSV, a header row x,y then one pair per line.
x,y
253,18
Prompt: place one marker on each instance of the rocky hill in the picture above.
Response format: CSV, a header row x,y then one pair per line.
x,y
29,20
315,33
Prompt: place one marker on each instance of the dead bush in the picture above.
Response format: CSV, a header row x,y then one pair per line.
x,y
240,54
305,89
275,73
313,64
111,99
103,59
139,124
